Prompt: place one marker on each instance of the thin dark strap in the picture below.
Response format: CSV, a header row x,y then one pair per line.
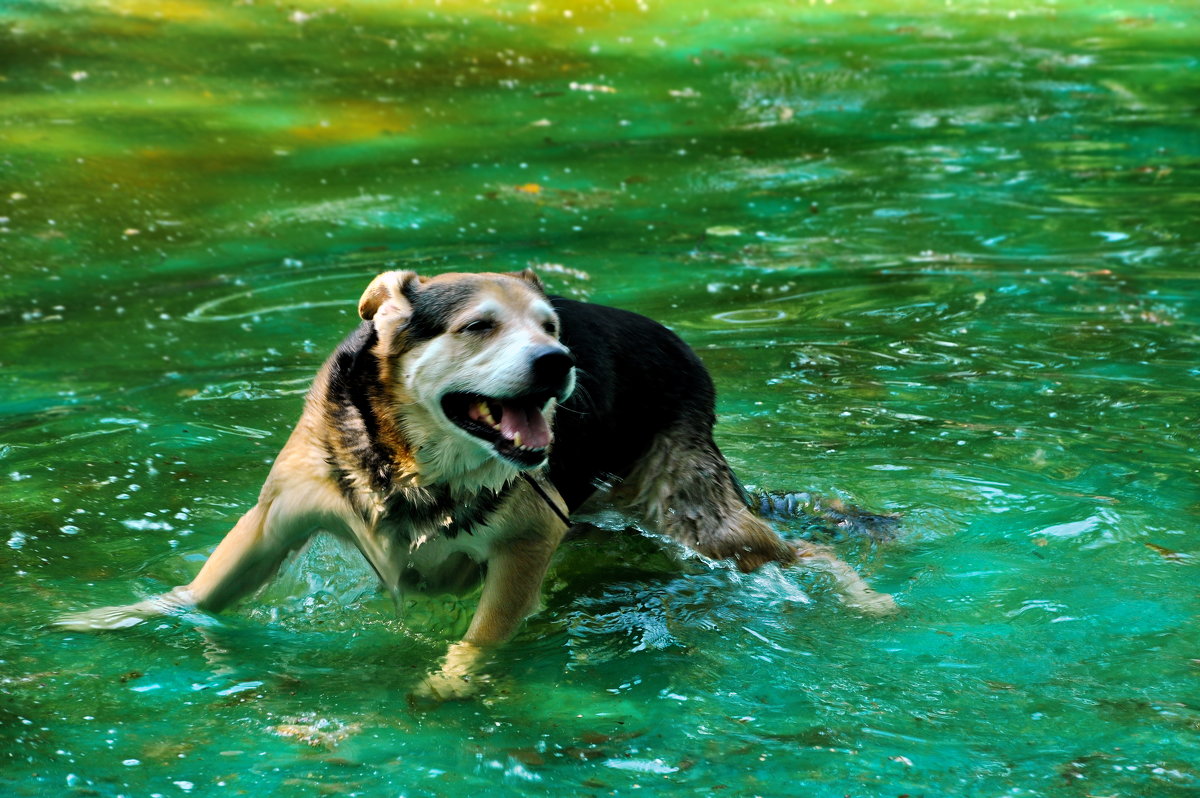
x,y
549,502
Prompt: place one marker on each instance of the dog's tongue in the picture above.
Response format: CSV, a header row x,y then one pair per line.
x,y
527,421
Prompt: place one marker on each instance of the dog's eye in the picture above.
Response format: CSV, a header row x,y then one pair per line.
x,y
479,326
550,327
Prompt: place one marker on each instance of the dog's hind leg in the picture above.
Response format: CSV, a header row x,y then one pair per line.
x,y
853,589
684,489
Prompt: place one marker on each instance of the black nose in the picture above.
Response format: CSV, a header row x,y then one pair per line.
x,y
551,367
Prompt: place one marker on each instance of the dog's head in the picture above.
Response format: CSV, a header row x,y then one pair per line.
x,y
474,361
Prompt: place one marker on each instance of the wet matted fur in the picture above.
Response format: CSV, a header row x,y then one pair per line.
x,y
449,435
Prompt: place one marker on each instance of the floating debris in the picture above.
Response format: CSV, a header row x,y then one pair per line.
x,y
318,732
1169,554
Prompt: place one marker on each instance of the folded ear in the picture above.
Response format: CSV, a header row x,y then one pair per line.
x,y
388,296
529,276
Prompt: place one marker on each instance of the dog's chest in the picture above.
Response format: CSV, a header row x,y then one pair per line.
x,y
428,513
438,541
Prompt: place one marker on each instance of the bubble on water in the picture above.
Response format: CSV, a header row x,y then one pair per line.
x,y
649,766
144,525
240,687
125,422
1070,529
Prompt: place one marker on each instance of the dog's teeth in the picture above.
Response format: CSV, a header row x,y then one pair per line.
x,y
517,441
485,415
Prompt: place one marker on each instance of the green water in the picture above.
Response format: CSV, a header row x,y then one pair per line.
x,y
939,256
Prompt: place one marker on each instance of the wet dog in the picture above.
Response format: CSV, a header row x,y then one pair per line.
x,y
452,434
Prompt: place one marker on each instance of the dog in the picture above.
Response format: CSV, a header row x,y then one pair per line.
x,y
453,433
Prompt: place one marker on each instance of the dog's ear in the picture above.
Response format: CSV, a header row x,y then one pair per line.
x,y
388,296
530,276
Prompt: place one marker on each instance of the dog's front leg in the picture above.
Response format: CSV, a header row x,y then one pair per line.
x,y
245,558
511,591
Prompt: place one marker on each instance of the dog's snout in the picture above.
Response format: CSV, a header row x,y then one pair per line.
x,y
551,366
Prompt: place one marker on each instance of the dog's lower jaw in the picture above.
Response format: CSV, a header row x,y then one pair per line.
x,y
517,428
447,454
464,463
443,454
454,464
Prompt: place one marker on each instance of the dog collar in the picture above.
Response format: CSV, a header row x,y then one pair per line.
x,y
542,494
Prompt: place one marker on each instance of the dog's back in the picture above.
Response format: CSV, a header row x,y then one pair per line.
x,y
635,380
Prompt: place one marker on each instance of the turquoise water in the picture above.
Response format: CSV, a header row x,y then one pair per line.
x,y
940,258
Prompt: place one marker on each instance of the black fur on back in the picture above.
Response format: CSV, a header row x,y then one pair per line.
x,y
634,380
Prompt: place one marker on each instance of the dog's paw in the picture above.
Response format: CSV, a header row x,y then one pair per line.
x,y
459,678
870,602
443,686
103,619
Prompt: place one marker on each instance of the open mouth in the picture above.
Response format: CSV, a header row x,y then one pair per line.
x,y
515,427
